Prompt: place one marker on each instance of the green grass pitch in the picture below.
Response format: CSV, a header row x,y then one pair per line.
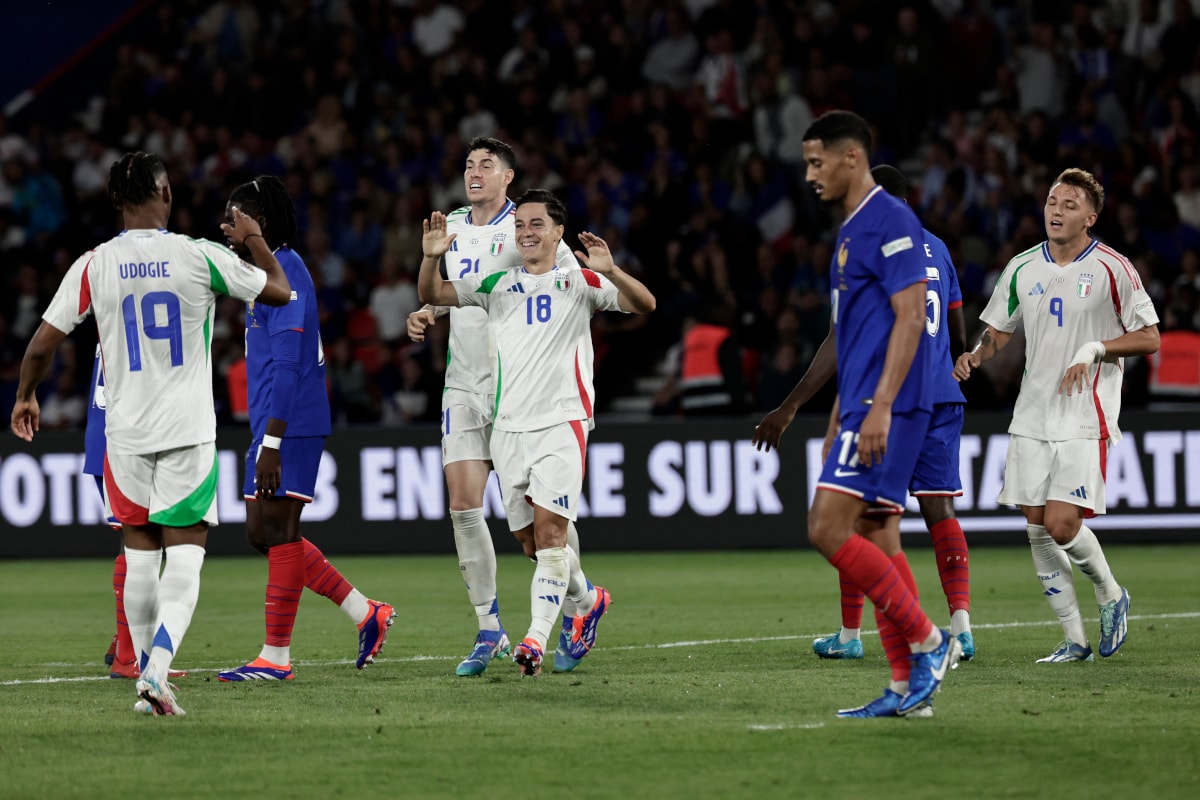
x,y
702,685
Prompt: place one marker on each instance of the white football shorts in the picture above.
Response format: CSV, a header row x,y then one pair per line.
x,y
1069,472
543,467
466,426
176,488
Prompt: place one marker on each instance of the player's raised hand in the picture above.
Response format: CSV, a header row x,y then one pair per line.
x,y
598,257
242,227
966,362
26,418
434,241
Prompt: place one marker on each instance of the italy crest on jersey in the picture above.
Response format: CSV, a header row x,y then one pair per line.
x,y
1084,287
561,281
498,243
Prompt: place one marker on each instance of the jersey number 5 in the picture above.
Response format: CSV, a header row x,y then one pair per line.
x,y
933,312
172,330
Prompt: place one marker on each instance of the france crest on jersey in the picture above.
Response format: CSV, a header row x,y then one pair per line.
x,y
879,252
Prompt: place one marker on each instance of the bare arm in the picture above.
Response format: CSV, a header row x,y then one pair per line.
x,y
769,432
1078,377
909,308
957,322
26,413
990,343
632,293
246,231
432,288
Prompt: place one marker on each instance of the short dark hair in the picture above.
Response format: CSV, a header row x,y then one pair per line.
x,y
496,147
133,180
891,179
267,196
554,206
838,126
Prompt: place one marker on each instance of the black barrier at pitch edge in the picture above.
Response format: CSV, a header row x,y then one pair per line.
x,y
664,485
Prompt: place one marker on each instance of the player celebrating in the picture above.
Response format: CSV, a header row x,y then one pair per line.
x,y
879,317
936,478
484,243
1084,308
289,420
539,317
153,294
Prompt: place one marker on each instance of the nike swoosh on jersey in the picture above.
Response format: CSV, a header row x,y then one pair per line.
x,y
844,473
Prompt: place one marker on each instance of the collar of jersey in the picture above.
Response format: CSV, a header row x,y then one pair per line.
x,y
863,202
496,220
160,230
1086,251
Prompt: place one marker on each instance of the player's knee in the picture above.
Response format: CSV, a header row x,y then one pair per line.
x,y
1062,529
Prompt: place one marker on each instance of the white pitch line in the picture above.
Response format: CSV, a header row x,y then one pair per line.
x,y
660,646
803,726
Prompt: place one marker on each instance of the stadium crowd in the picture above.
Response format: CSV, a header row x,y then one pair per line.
x,y
673,129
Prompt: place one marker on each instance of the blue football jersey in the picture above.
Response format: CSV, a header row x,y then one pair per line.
x,y
307,409
941,295
93,435
879,253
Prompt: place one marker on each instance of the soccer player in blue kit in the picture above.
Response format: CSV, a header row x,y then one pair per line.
x,y
936,478
289,420
879,293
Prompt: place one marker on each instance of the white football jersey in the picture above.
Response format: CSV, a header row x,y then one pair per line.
x,y
1096,297
153,294
480,249
541,325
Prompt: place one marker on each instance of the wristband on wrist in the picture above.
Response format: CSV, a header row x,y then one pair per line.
x,y
248,235
1089,353
272,442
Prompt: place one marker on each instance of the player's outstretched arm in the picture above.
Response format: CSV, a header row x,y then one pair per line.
x,y
632,293
991,342
431,287
769,432
26,413
246,230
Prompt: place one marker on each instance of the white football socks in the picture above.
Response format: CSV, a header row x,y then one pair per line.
x,y
1057,581
847,635
960,622
178,590
581,596
550,580
356,606
1085,552
570,607
141,599
477,561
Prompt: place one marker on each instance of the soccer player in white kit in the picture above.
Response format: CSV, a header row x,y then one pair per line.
x,y
1084,308
539,316
485,242
153,294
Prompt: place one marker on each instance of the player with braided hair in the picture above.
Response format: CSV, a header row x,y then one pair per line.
x,y
289,420
153,294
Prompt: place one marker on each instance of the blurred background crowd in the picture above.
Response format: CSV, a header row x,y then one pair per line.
x,y
672,128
